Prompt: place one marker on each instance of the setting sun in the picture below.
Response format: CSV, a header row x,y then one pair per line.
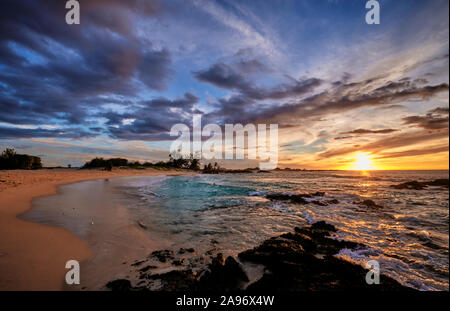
x,y
363,162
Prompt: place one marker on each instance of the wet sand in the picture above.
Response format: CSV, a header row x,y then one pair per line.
x,y
33,256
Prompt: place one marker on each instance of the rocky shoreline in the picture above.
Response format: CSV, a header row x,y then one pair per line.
x,y
302,260
420,185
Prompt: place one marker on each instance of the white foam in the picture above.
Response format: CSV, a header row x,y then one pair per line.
x,y
257,193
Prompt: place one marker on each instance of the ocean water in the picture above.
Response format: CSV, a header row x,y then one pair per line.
x,y
228,213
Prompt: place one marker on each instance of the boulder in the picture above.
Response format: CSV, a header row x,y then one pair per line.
x,y
163,255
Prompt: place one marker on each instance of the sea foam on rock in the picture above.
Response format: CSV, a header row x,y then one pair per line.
x,y
305,261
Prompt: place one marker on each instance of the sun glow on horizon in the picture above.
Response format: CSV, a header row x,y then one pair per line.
x,y
363,162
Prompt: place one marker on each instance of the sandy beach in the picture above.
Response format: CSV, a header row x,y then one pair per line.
x,y
33,256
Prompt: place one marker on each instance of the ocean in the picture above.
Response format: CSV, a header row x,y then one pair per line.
x,y
123,219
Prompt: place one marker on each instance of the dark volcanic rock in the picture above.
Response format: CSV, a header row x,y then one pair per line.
x,y
320,203
273,251
145,269
318,194
176,280
304,260
324,203
369,203
178,262
185,250
329,274
439,182
163,255
294,198
323,226
137,263
295,261
297,198
415,185
419,185
223,275
317,230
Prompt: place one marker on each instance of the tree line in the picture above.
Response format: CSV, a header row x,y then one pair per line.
x,y
10,160
176,161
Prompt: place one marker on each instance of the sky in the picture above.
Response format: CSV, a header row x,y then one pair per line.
x,y
345,94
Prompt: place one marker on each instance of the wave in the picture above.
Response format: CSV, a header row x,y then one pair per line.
x,y
258,193
357,177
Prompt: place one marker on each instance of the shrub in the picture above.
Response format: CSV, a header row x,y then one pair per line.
x,y
211,169
108,164
175,161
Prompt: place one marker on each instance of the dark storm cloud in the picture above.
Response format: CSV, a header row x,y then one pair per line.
x,y
339,98
235,109
333,101
186,102
233,77
153,69
54,72
151,120
294,107
244,107
251,66
224,76
11,133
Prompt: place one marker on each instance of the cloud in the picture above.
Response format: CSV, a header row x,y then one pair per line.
x,y
223,76
345,98
364,131
152,119
252,36
413,152
154,69
228,77
110,77
10,133
51,70
433,120
396,141
439,110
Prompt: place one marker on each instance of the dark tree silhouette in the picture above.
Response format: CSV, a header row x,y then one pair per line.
x,y
10,160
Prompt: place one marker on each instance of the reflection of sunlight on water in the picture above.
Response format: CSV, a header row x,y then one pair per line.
x,y
367,185
233,211
365,173
387,231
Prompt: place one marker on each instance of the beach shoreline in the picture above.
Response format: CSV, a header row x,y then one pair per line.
x,y
32,255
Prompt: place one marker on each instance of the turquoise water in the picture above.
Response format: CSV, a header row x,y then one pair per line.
x,y
229,213
408,236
